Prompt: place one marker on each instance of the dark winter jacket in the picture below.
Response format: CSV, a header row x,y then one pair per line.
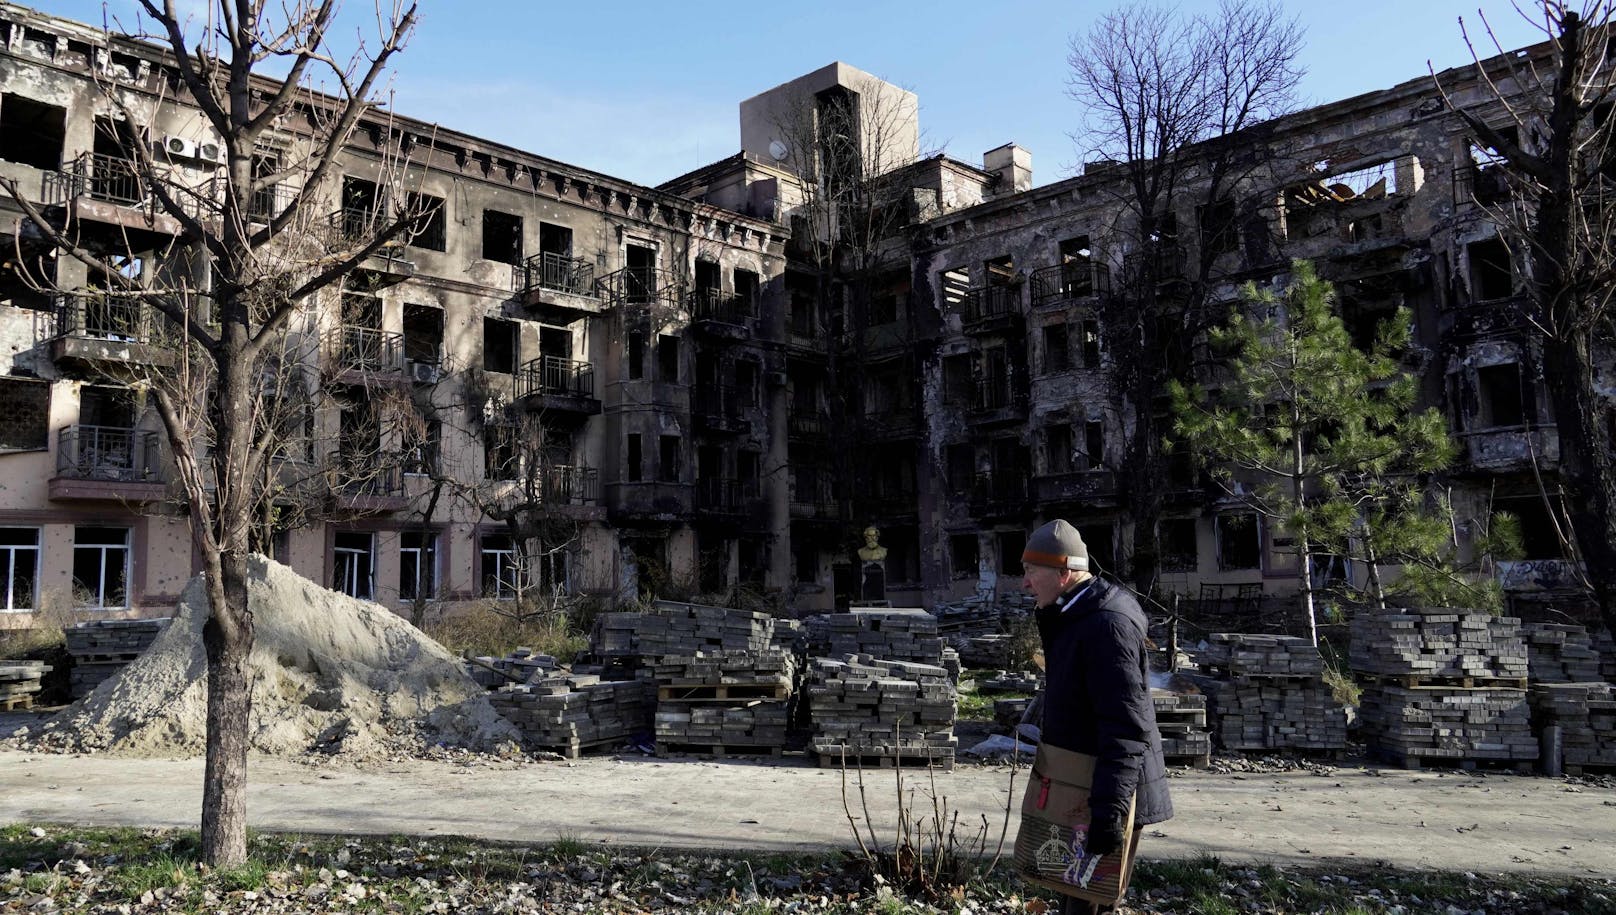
x,y
1097,698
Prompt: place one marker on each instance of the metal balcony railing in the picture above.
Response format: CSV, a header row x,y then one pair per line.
x,y
567,484
368,349
100,177
1063,282
987,303
267,203
642,286
716,399
548,270
715,305
108,453
374,473
809,424
103,316
721,496
1483,185
999,489
555,375
997,395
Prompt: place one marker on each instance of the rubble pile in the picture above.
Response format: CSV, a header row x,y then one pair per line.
x,y
102,648
1271,694
1438,643
570,714
20,681
520,666
1560,653
1586,716
724,701
1443,685
1181,719
894,711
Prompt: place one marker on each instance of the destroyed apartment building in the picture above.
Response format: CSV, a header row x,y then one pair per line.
x,y
566,380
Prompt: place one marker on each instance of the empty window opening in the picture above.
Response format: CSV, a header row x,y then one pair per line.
x,y
555,240
633,463
954,285
1091,343
1077,267
1057,349
423,334
964,555
961,460
708,278
19,568
636,355
746,292
418,565
423,448
501,454
1011,545
1094,443
1239,543
502,237
106,406
670,459
1363,319
1178,544
668,359
32,133
1501,396
1540,539
958,385
1218,223
1100,539
100,568
805,560
746,384
1000,271
24,414
1058,448
360,198
429,226
500,565
501,345
1491,276
903,554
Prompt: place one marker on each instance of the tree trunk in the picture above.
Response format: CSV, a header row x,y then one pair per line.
x,y
1586,463
227,636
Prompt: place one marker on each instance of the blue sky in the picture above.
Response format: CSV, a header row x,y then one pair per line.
x,y
649,90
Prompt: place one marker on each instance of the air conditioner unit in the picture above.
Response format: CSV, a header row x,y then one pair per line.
x,y
424,372
179,147
210,152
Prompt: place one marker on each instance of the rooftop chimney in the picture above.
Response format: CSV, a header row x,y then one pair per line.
x,y
1013,165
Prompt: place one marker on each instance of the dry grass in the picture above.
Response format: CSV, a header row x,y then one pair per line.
x,y
491,628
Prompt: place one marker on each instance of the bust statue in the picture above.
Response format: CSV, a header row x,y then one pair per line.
x,y
872,550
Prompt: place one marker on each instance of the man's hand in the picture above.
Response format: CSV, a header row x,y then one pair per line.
x,y
1104,837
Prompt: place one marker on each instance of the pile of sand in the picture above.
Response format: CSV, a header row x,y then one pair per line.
x,y
329,674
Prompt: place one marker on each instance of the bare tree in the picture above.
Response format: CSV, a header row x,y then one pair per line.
x,y
1174,104
265,270
1547,120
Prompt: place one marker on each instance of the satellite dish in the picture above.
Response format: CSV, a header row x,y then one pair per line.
x,y
778,150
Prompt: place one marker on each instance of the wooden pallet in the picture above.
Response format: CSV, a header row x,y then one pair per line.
x,y
723,692
717,749
1193,760
1194,718
1411,681
13,703
578,748
918,760
1608,768
1416,763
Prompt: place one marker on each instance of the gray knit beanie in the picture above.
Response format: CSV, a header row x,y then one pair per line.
x,y
1057,544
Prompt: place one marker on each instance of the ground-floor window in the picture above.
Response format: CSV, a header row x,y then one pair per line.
x,y
353,564
501,572
100,567
418,566
19,568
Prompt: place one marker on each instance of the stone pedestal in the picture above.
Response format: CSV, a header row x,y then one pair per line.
x,y
873,581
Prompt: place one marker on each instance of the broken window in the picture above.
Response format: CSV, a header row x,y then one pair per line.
x,y
964,555
883,308
1312,208
668,359
421,456
418,565
1094,443
555,240
32,133
633,460
804,313
903,553
501,455
961,460
1057,349
501,572
1000,271
746,292
1501,395
1011,545
636,355
1485,177
1058,448
1239,543
1178,545
19,568
805,561
501,345
100,568
423,334
1091,343
502,237
360,198
669,459
747,464
1491,276
24,414
958,388
746,382
1077,267
1217,221
429,228
101,405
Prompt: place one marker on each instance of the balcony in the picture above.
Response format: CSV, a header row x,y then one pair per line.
x,y
105,199
367,483
642,287
1062,283
990,309
353,228
716,408
720,316
107,463
808,425
812,497
888,504
560,388
1093,488
893,425
726,500
1509,449
997,403
556,287
1485,185
648,501
1162,262
100,332
999,495
361,354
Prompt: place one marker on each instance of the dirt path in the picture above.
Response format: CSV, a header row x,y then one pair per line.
x,y
1451,820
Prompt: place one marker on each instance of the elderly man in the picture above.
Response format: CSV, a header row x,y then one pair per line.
x,y
1097,697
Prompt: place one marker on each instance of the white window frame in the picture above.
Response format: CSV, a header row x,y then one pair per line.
x,y
104,549
341,559
506,569
427,551
8,558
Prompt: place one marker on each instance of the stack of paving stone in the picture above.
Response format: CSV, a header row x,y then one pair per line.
x,y
724,702
520,666
991,650
1271,694
1586,716
965,619
1560,653
1181,719
569,715
20,682
871,711
886,633
103,648
1005,681
672,628
1443,686
1605,646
